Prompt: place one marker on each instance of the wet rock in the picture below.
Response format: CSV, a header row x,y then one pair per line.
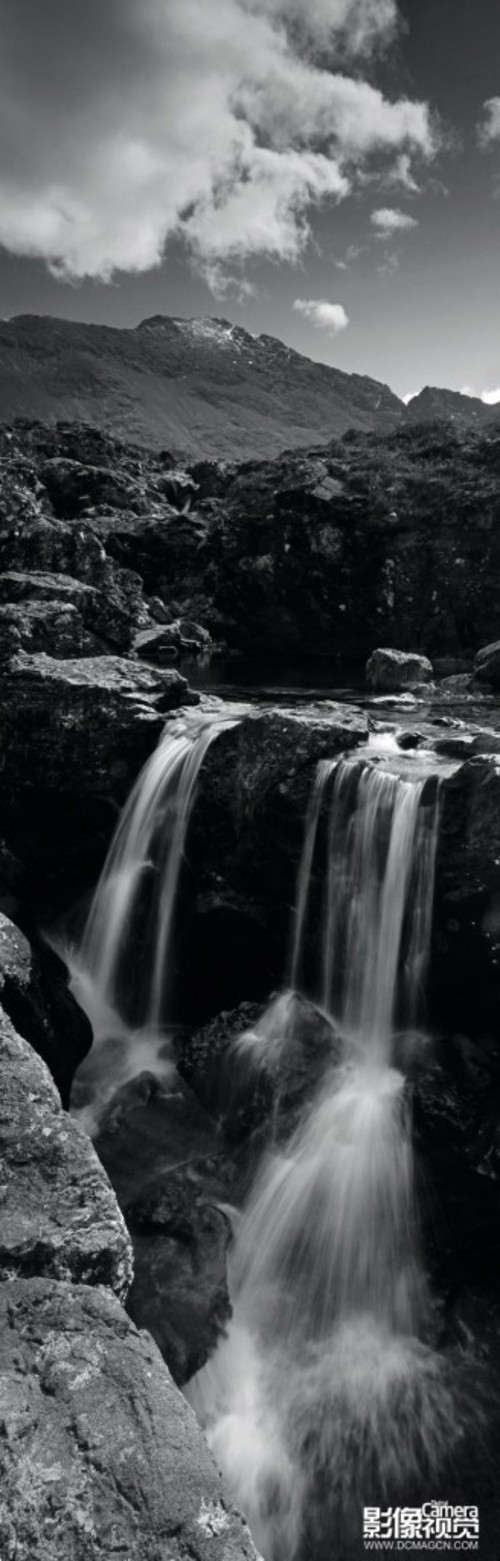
x,y
396,669
465,966
180,1290
166,1162
456,1105
409,740
487,664
456,746
100,1454
35,995
58,1214
84,725
247,827
271,747
259,1063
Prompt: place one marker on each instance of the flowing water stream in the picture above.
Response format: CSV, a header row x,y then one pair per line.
x,y
122,972
326,1394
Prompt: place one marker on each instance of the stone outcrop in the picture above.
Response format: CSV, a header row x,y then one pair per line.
x,y
388,670
35,995
96,721
43,544
389,540
108,624
58,1213
100,1455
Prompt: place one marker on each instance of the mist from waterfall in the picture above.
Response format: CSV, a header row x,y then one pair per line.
x,y
325,1394
122,971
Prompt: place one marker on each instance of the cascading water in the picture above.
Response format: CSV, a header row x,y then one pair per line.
x,y
122,972
325,1391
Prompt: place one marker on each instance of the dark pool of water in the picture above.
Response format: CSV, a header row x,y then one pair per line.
x,y
279,681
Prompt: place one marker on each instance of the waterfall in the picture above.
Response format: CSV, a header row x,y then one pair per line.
x,y
122,973
325,1395
376,918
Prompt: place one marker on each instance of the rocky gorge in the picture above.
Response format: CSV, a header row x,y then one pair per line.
x,y
123,574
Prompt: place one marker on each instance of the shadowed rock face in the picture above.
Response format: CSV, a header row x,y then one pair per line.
x,y
373,539
165,1159
36,997
100,1455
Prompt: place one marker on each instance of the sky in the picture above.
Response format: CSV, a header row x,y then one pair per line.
x,y
327,171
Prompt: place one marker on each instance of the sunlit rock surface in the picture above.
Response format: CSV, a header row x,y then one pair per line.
x,y
100,1455
58,1213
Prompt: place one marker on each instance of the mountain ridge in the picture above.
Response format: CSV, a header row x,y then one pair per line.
x,y
200,387
205,388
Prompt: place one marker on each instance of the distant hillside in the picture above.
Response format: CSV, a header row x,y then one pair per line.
x,y
202,387
433,405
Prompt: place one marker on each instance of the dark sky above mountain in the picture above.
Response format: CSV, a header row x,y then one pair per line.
x,y
325,170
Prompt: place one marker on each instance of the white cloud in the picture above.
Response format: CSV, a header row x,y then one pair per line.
x,y
410,396
388,221
488,130
360,24
322,314
401,176
488,397
213,122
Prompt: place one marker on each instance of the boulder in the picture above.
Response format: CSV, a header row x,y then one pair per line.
x,y
164,1157
180,637
100,1454
107,620
157,645
58,1214
82,725
52,627
259,1064
270,748
397,669
35,995
487,664
50,546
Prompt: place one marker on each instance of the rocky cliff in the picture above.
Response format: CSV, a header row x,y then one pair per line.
x,y
391,539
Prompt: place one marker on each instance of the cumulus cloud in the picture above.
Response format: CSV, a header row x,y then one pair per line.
x,y
388,221
488,130
224,124
322,314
